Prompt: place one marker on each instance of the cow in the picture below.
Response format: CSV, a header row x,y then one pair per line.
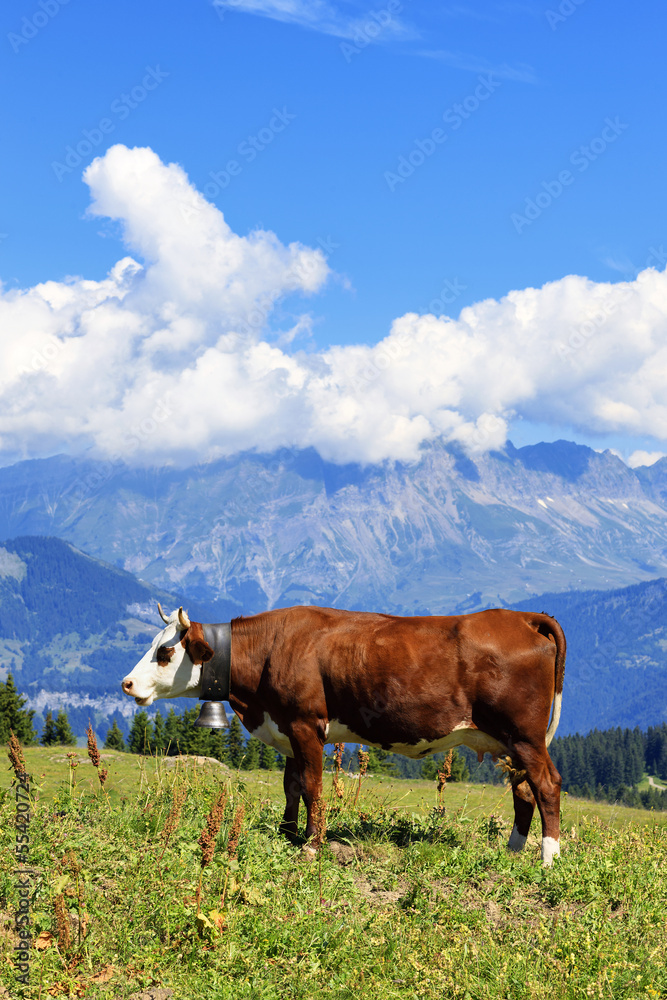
x,y
303,677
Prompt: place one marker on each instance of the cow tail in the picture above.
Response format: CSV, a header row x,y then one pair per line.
x,y
549,627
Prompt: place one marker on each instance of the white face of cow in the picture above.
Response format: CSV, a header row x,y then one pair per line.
x,y
166,671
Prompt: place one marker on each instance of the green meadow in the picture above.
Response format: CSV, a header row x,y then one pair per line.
x,y
411,894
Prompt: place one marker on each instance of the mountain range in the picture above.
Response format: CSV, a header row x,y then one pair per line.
x,y
448,533
554,527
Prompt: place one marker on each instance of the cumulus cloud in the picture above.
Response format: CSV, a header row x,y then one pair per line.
x,y
171,357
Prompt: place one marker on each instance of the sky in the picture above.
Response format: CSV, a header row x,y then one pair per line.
x,y
252,224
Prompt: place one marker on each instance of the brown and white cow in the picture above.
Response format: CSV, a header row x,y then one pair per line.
x,y
305,676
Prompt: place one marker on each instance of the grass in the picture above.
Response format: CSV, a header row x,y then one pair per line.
x,y
402,901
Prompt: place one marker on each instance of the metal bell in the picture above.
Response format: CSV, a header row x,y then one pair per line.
x,y
212,716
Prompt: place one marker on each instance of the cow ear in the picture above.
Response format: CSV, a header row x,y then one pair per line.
x,y
199,651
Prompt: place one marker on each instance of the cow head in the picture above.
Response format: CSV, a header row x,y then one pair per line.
x,y
172,666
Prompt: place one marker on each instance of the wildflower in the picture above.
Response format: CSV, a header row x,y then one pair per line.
x,y
173,817
69,861
102,774
93,752
445,771
235,831
338,766
213,823
62,922
363,757
15,755
319,815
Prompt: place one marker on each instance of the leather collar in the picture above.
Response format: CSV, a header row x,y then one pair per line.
x,y
216,673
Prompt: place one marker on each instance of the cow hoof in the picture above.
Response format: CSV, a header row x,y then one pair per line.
x,y
309,852
517,841
550,850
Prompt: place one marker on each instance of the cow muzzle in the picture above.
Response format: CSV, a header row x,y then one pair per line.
x,y
128,688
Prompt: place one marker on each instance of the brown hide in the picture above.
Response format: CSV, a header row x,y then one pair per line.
x,y
393,680
396,680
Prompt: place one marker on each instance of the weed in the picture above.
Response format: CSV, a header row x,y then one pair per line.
x,y
62,923
444,773
93,752
15,754
339,749
173,817
235,831
363,757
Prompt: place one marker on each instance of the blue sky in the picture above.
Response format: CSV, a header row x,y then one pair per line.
x,y
335,100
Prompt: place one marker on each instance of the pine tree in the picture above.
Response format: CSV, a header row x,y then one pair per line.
x,y
114,740
172,733
267,758
661,763
159,743
192,737
141,734
63,731
14,717
235,744
251,756
379,761
198,737
48,737
217,744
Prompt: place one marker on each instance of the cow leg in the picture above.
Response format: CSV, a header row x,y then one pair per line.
x,y
292,787
524,806
308,759
545,782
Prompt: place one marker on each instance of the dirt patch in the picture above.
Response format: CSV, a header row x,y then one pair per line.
x,y
155,993
377,896
344,854
186,759
348,854
494,914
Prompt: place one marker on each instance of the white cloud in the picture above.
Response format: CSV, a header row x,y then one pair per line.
x,y
639,458
375,23
173,359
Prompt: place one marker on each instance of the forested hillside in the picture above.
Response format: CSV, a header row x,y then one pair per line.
x,y
616,669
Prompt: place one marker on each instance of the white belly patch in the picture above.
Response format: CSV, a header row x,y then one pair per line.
x,y
269,733
462,734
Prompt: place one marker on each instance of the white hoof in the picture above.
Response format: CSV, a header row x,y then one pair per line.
x,y
308,851
550,850
517,840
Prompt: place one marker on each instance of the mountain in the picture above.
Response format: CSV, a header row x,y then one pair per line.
x,y
447,533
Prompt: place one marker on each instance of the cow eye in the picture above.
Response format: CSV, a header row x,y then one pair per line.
x,y
164,654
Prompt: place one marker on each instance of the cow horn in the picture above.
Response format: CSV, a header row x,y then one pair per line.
x,y
183,619
162,614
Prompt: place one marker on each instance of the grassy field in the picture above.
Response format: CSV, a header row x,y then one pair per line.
x,y
403,900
